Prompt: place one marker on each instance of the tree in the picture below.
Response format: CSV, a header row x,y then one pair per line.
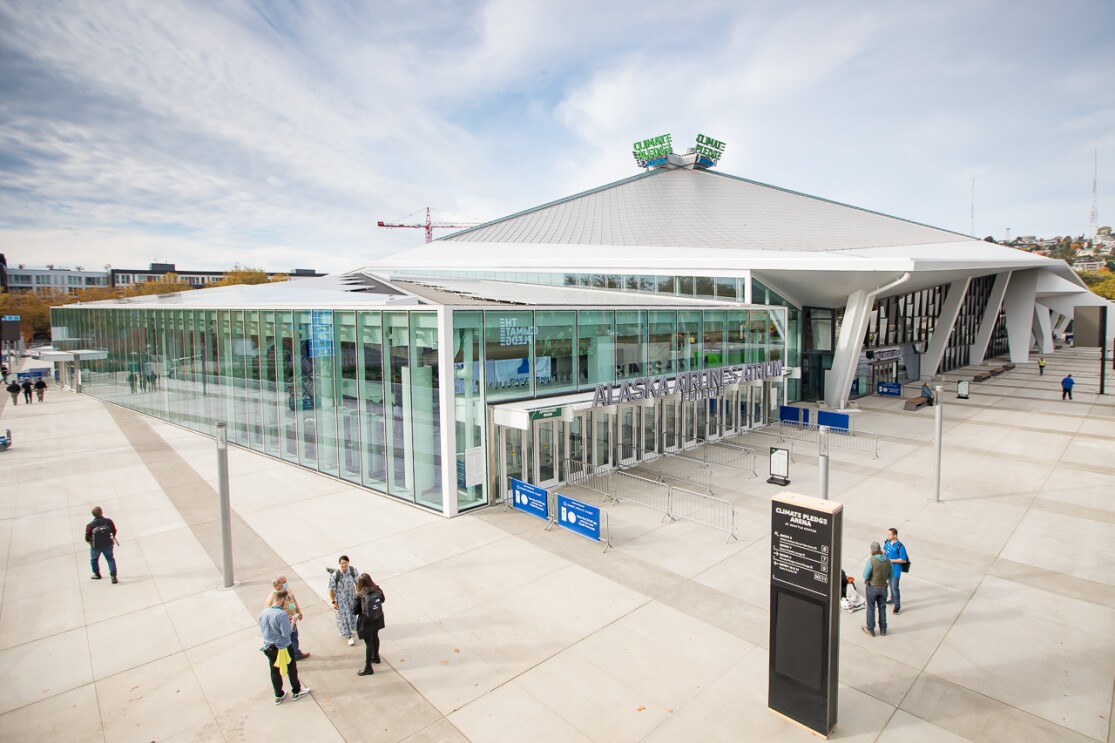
x,y
168,284
1105,231
242,275
1105,289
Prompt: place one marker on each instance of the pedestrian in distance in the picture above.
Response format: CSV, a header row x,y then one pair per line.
x,y
274,623
368,609
342,592
1041,366
40,389
293,611
13,390
895,552
100,533
927,393
875,575
1066,387
27,391
132,382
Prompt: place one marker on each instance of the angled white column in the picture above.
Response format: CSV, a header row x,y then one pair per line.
x,y
838,379
1018,305
1062,323
1043,329
942,329
990,315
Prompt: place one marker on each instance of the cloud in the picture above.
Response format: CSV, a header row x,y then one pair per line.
x,y
249,131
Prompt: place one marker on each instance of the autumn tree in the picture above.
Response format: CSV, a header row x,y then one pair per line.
x,y
242,275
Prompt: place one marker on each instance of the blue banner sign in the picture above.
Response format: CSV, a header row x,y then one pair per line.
x,y
888,389
32,374
530,499
790,414
577,517
833,420
321,333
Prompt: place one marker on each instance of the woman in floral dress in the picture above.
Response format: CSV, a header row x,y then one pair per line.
x,y
342,592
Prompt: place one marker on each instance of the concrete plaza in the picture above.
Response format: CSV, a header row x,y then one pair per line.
x,y
500,631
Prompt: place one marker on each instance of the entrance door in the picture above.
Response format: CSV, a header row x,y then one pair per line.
x,y
689,423
671,425
579,445
628,434
601,440
549,447
650,431
511,458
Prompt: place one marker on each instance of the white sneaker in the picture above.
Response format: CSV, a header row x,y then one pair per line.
x,y
351,641
305,692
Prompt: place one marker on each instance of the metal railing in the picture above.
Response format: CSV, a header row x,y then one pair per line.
x,y
680,466
839,438
703,509
730,455
759,439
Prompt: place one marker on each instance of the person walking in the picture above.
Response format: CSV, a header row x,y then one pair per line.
x,y
895,552
875,575
13,389
274,623
1066,387
27,390
342,592
368,609
40,389
100,533
293,611
1041,366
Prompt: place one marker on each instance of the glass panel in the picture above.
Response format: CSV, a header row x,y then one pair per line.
x,y
348,394
660,349
714,344
372,409
757,338
689,340
425,409
508,344
738,323
273,398
306,422
400,453
322,354
252,394
468,400
726,289
288,385
553,348
596,347
631,344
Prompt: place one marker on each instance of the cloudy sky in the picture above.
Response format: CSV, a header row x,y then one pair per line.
x,y
275,134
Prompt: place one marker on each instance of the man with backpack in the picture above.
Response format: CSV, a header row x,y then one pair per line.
x,y
100,533
899,564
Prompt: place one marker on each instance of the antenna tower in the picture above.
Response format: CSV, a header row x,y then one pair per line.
x,y
973,227
1093,225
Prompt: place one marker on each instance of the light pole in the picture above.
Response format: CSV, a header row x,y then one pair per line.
x,y
823,462
226,510
938,425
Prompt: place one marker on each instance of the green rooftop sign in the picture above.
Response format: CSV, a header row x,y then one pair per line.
x,y
653,151
711,148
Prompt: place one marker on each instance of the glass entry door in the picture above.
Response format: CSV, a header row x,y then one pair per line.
x,y
671,425
628,434
601,440
510,459
549,435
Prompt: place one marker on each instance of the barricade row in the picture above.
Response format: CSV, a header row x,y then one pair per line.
x,y
570,514
839,438
672,501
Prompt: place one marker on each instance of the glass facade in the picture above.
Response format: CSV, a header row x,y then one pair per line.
x,y
358,394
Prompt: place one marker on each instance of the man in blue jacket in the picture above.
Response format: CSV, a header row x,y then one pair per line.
x,y
1066,387
896,553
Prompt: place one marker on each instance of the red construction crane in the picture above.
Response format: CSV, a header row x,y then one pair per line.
x,y
430,226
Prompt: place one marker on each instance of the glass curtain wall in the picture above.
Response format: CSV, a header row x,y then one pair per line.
x,y
468,392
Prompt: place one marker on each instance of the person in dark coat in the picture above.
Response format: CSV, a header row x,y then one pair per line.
x,y
368,608
40,389
13,389
27,390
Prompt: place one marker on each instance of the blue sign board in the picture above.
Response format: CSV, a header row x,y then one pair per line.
x,y
833,420
11,318
790,414
888,389
530,499
577,517
321,333
32,374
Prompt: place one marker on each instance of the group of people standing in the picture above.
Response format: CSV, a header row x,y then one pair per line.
x,y
358,604
14,388
883,573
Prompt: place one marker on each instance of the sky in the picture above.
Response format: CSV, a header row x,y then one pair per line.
x,y
275,134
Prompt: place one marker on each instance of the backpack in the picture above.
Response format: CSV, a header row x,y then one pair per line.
x,y
102,534
371,606
905,565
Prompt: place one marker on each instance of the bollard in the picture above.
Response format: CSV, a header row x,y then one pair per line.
x,y
823,462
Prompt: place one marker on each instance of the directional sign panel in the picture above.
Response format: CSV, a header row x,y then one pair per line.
x,y
800,546
530,499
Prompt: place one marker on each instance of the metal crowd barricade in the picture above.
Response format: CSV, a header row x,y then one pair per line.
x,y
758,438
703,509
730,455
681,465
839,438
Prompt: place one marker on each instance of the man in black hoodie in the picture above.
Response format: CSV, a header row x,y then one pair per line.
x,y
100,533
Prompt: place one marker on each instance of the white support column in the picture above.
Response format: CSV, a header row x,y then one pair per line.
x,y
448,423
1018,304
1043,329
838,379
1062,323
942,329
990,315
